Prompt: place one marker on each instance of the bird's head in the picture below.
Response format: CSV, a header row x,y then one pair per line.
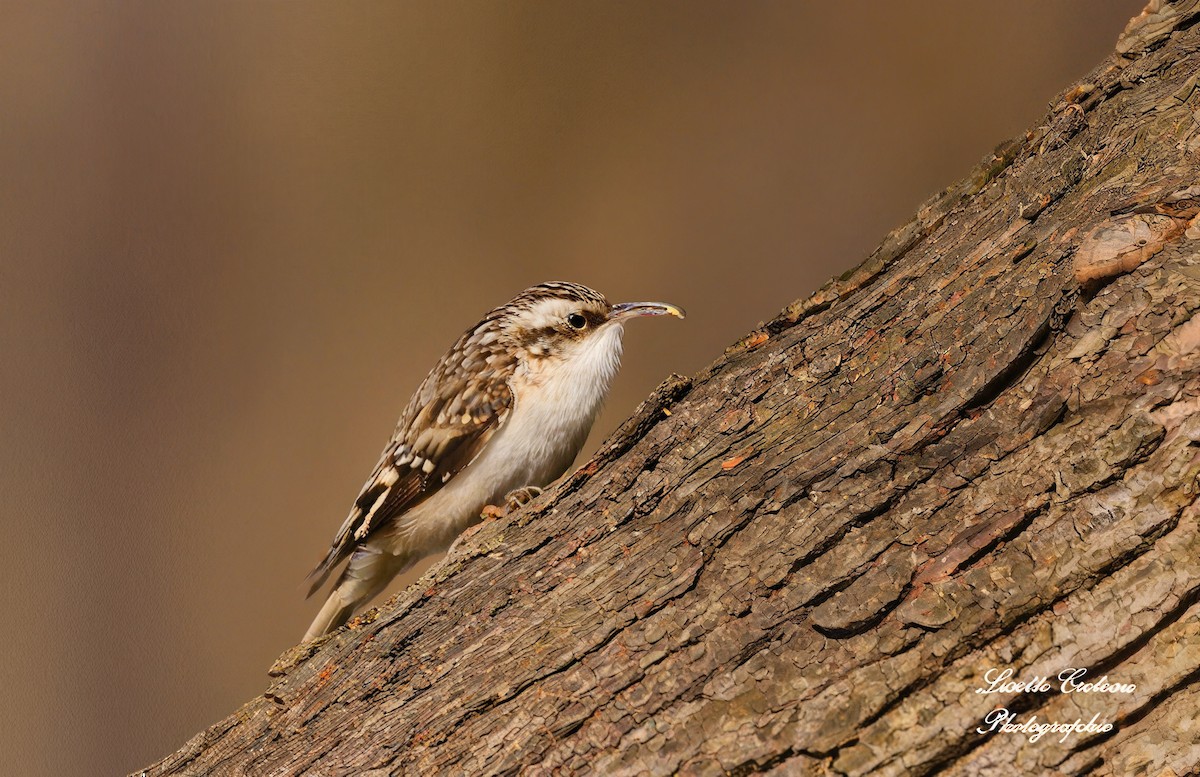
x,y
566,323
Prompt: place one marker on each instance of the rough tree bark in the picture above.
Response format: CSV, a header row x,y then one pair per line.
x,y
978,450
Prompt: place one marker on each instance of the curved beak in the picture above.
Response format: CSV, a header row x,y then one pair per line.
x,y
631,309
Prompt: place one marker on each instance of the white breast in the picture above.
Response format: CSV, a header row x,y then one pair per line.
x,y
548,424
554,412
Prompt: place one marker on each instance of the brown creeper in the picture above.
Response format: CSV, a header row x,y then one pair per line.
x,y
508,407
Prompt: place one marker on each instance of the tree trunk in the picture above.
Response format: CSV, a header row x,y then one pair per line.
x,y
979,451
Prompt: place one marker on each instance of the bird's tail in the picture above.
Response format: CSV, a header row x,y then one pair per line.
x,y
368,573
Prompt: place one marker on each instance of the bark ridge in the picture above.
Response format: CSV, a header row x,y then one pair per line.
x,y
979,449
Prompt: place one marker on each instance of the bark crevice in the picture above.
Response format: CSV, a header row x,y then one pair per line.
x,y
979,448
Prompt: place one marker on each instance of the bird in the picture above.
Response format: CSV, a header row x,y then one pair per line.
x,y
503,413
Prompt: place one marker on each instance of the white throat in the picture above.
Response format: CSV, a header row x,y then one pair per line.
x,y
557,401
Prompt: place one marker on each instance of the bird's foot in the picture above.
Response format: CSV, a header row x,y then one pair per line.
x,y
519,497
514,500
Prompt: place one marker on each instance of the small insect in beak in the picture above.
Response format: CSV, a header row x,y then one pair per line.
x,y
634,309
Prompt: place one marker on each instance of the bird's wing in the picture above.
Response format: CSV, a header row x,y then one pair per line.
x,y
449,420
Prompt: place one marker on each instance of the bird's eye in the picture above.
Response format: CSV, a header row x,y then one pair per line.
x,y
577,321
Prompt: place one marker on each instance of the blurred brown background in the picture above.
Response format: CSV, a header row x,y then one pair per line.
x,y
234,236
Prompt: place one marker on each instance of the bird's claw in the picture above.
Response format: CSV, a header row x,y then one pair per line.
x,y
519,497
514,500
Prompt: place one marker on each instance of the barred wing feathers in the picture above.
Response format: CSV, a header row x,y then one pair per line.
x,y
448,421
